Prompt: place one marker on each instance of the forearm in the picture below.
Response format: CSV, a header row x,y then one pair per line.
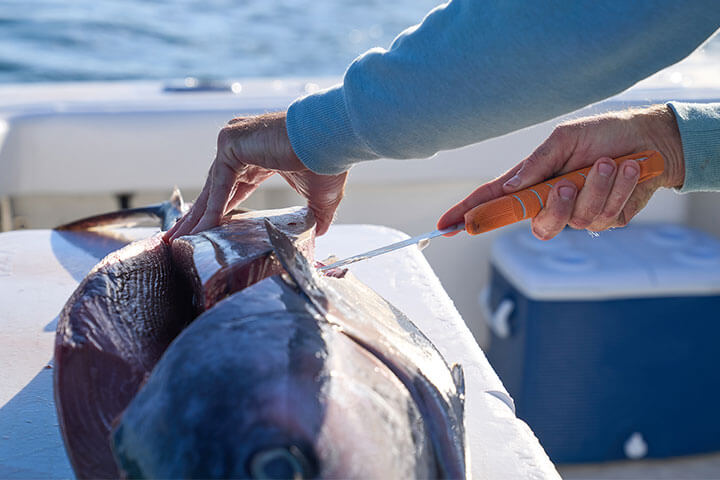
x,y
699,126
474,70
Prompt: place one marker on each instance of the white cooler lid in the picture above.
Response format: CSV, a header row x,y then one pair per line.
x,y
644,260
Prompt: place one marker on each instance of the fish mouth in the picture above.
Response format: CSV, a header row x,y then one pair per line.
x,y
281,463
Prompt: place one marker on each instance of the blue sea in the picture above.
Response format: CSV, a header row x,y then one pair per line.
x,y
82,40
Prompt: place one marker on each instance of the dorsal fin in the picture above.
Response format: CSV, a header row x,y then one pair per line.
x,y
297,266
171,210
176,199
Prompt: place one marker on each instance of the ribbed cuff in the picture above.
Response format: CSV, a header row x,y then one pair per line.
x,y
699,126
321,133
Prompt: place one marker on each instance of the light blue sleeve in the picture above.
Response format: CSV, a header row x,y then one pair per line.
x,y
699,126
477,69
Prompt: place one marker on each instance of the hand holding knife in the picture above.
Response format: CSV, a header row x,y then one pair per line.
x,y
514,207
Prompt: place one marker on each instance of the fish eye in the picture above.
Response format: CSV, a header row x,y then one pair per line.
x,y
280,463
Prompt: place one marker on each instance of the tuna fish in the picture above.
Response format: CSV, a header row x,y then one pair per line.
x,y
128,309
297,376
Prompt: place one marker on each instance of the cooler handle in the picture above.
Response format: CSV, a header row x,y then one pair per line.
x,y
498,321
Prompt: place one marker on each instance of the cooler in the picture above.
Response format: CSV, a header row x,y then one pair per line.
x,y
609,344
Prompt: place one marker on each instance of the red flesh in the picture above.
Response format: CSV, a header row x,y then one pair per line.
x,y
238,254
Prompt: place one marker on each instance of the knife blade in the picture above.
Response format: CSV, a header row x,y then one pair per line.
x,y
389,248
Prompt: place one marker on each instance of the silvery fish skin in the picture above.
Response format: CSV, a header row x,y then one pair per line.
x,y
298,377
128,309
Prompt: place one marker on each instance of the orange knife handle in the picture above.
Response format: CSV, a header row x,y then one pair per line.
x,y
528,202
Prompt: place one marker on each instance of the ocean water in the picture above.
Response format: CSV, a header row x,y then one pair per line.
x,y
71,40
76,40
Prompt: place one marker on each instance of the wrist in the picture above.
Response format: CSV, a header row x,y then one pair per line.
x,y
661,128
261,140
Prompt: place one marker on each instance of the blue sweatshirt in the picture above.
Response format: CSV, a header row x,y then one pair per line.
x,y
478,69
700,133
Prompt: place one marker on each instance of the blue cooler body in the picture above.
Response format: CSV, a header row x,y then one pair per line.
x,y
610,345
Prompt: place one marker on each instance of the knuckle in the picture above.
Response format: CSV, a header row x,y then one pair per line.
x,y
560,132
224,141
564,132
533,161
224,135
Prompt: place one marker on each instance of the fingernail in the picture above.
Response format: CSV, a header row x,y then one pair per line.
x,y
513,182
630,170
605,169
566,193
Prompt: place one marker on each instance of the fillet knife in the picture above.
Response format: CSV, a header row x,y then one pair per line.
x,y
513,207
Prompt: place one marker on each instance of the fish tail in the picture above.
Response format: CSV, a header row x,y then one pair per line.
x,y
165,213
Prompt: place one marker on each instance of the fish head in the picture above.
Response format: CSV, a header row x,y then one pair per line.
x,y
239,394
262,386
